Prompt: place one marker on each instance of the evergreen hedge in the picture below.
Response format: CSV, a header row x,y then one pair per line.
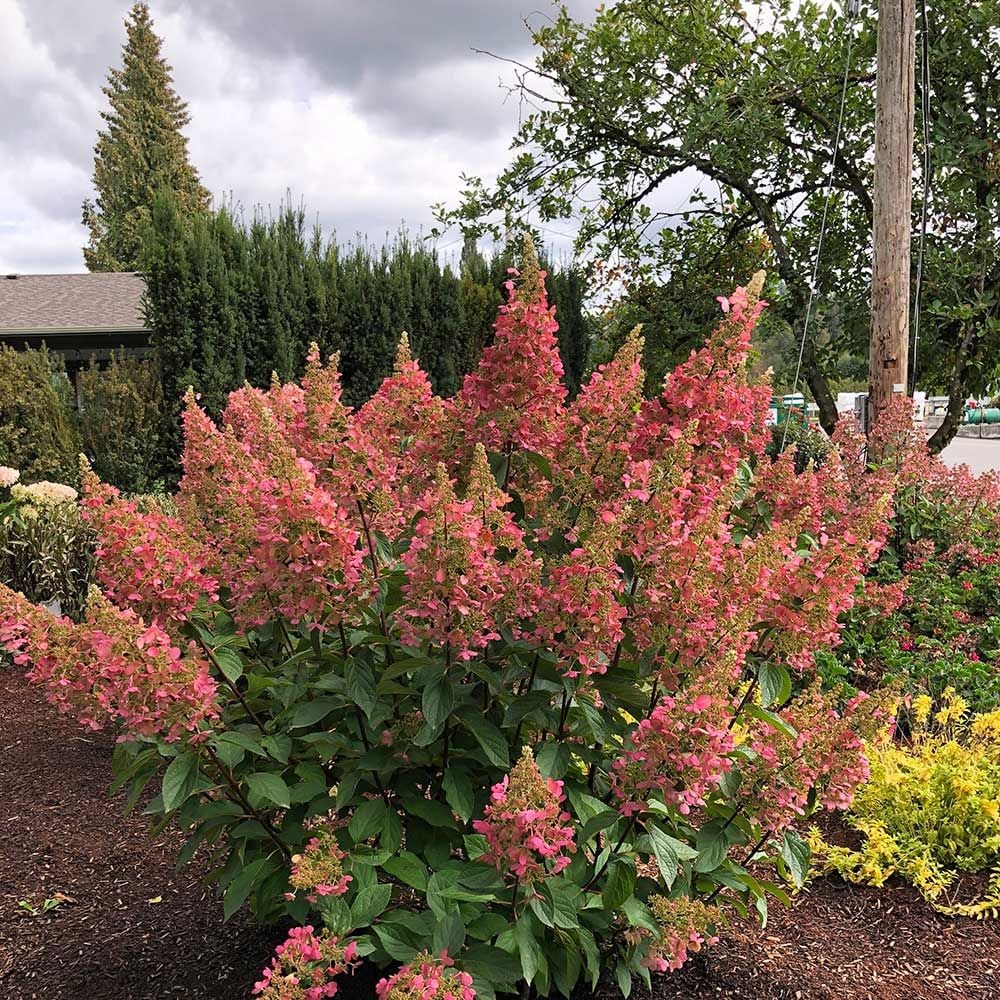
x,y
229,302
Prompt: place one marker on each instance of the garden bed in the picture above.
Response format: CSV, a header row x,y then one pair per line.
x,y
132,927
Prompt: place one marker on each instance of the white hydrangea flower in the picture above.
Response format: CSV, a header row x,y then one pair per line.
x,y
45,494
8,476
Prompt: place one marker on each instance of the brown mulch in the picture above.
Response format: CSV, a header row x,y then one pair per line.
x,y
133,928
843,942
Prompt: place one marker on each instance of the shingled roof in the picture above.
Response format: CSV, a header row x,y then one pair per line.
x,y
102,302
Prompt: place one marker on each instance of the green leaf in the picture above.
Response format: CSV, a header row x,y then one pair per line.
x,y
394,945
796,855
624,979
409,869
524,705
337,915
772,719
310,712
431,811
620,883
367,820
488,737
604,819
449,935
492,965
243,884
438,701
531,955
278,746
553,759
564,899
370,903
712,846
639,915
459,792
179,780
230,664
251,743
667,859
269,786
775,683
361,685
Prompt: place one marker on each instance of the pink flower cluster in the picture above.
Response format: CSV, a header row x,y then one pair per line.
x,y
145,561
426,978
685,925
113,666
458,592
305,967
524,826
681,751
826,753
318,870
514,399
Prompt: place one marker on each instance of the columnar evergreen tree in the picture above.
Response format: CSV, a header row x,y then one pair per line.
x,y
141,151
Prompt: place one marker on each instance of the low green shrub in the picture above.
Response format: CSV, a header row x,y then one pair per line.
x,y
121,421
38,434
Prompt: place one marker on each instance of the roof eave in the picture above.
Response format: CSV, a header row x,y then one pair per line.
x,y
44,331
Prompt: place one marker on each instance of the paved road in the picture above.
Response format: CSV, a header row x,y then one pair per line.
x,y
980,456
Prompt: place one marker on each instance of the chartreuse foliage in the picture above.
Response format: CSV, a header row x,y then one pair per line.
x,y
931,809
502,692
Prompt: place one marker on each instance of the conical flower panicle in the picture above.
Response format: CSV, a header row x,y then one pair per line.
x,y
488,500
321,423
306,966
458,590
142,679
427,978
684,927
394,442
681,752
524,824
579,609
514,398
712,391
290,547
50,650
147,560
112,667
825,752
589,463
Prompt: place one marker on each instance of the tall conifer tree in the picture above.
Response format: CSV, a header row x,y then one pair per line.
x,y
140,152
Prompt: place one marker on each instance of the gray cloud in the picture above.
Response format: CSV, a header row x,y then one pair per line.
x,y
367,110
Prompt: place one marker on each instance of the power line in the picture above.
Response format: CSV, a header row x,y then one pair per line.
x,y
851,11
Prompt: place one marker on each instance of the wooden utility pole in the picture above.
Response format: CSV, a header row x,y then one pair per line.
x,y
890,330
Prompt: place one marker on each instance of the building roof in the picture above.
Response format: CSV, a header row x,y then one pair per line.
x,y
71,303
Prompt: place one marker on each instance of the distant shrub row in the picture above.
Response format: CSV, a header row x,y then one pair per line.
x,y
117,423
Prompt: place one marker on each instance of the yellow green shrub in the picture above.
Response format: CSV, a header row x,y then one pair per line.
x,y
931,810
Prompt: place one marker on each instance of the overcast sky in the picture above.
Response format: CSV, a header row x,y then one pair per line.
x,y
367,110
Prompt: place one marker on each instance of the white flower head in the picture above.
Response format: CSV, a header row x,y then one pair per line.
x,y
8,476
45,494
